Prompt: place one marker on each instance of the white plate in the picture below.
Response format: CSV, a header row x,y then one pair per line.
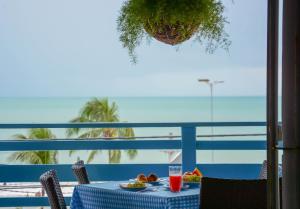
x,y
159,181
192,184
134,189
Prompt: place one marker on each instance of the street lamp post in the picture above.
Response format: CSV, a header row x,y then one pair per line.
x,y
211,86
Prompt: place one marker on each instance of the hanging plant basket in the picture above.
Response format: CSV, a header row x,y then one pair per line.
x,y
172,22
170,34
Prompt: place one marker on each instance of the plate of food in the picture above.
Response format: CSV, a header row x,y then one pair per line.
x,y
151,179
133,186
192,179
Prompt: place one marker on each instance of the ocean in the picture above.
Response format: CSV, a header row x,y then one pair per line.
x,y
145,109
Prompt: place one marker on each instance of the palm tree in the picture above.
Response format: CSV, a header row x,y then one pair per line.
x,y
100,110
35,157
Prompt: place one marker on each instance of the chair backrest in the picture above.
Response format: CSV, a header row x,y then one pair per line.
x,y
264,174
52,187
233,194
264,170
80,172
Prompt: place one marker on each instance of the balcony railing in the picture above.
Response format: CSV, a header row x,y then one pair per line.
x,y
105,172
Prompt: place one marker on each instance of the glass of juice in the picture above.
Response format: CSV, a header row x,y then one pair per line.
x,y
175,178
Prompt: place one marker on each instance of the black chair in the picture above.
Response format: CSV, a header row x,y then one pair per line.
x,y
233,194
80,172
52,187
263,175
264,170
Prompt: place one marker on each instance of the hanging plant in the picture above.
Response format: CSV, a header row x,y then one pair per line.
x,y
172,22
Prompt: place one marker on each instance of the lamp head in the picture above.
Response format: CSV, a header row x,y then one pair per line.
x,y
203,80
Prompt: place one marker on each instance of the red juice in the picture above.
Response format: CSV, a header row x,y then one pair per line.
x,y
175,183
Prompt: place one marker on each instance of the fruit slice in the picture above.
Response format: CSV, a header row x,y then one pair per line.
x,y
197,172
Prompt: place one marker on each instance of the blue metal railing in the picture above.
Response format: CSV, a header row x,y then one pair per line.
x,y
101,172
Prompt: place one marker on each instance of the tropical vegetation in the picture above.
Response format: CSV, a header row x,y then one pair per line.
x,y
172,22
101,110
35,157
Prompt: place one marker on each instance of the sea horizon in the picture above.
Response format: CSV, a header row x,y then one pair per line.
x,y
135,96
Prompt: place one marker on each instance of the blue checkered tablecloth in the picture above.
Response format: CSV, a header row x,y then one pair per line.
x,y
110,196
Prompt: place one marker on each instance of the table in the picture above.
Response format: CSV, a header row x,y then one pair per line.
x,y
109,195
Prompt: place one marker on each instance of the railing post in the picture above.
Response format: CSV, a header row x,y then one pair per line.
x,y
188,147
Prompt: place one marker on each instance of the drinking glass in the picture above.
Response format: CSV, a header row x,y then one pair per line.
x,y
175,178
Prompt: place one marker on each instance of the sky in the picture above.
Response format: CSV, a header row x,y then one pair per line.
x,y
71,48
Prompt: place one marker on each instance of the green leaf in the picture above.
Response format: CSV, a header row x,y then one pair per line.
x,y
99,110
35,157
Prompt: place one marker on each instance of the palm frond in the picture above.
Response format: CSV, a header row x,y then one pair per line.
x,y
71,152
92,155
35,157
92,133
132,153
101,110
126,132
19,136
30,157
75,131
54,157
114,156
40,133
